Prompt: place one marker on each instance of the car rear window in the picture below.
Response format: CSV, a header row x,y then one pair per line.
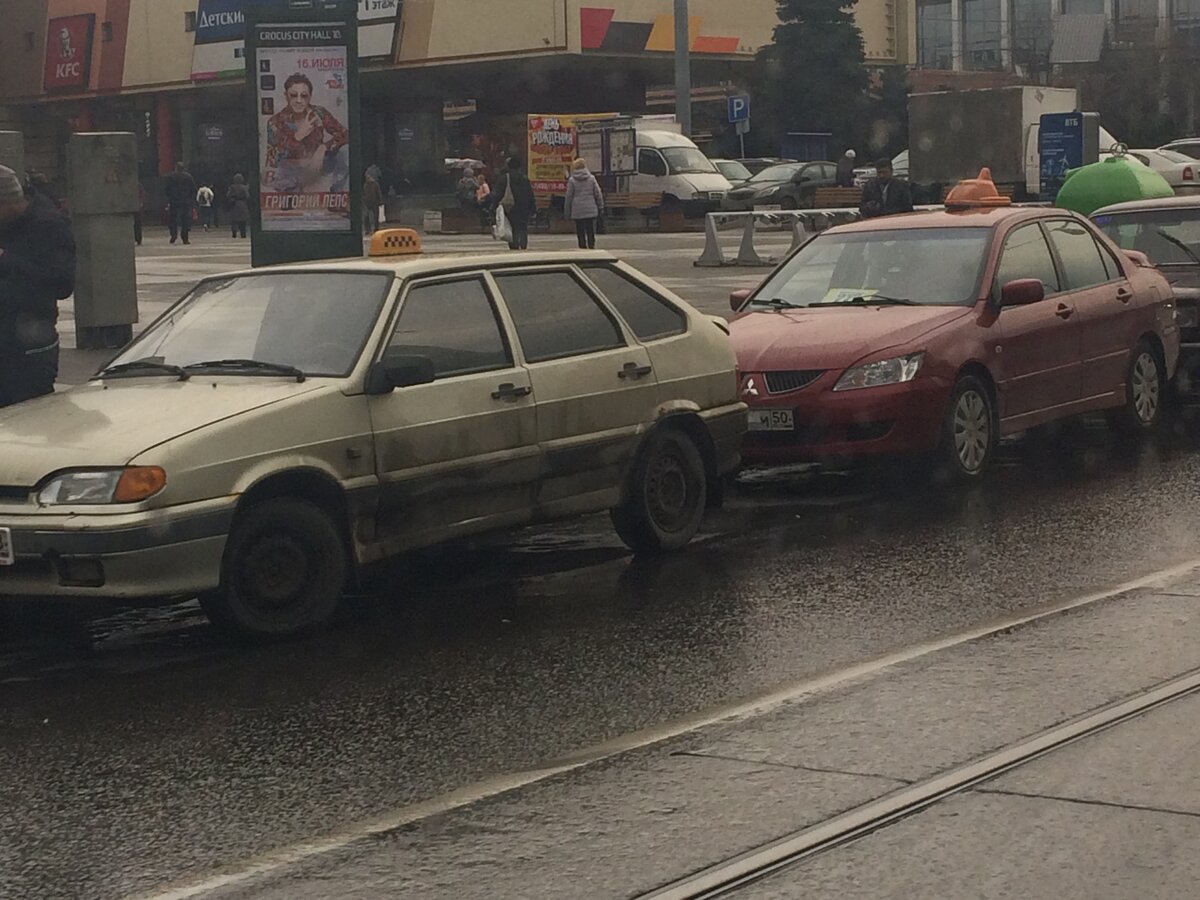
x,y
1170,237
648,316
556,317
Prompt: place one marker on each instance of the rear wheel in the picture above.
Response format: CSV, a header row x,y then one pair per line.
x,y
284,572
1145,392
968,431
668,493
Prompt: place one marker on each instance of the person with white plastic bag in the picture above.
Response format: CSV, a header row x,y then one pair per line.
x,y
513,198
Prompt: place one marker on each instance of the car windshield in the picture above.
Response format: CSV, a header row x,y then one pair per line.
x,y
316,322
1170,237
734,171
925,266
687,161
777,173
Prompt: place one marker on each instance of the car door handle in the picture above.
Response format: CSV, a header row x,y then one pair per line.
x,y
1064,311
633,371
511,392
1124,295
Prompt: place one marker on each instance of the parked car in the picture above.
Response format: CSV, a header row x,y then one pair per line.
x,y
933,334
758,163
863,174
278,429
1168,233
1189,147
789,185
733,170
1179,170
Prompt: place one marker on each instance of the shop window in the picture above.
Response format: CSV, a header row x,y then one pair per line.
x,y
189,22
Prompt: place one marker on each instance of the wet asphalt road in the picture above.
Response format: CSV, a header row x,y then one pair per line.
x,y
139,749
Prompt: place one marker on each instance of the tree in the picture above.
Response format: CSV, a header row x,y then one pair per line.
x,y
813,76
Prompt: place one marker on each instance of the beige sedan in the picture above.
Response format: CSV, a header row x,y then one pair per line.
x,y
279,429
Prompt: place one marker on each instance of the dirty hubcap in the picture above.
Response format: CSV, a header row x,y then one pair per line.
x,y
1145,388
276,571
972,430
668,492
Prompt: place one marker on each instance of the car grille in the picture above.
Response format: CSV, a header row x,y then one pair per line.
x,y
783,382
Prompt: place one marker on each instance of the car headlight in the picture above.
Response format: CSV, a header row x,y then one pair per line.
x,y
132,484
887,371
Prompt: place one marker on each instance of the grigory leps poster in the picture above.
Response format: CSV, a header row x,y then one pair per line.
x,y
304,128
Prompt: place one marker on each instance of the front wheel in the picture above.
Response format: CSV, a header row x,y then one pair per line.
x,y
968,431
1145,387
284,572
668,492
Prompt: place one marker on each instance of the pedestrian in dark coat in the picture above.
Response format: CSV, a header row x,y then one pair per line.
x,y
584,204
181,197
515,194
885,195
238,198
37,269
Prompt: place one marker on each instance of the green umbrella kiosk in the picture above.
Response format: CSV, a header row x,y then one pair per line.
x,y
1117,179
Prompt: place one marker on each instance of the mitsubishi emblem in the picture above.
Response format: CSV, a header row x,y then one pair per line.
x,y
750,389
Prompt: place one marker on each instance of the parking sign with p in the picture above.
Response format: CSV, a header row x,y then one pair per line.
x,y
739,108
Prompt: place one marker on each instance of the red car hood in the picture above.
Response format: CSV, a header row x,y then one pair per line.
x,y
831,338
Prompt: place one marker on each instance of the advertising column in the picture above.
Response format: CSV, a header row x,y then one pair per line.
x,y
307,183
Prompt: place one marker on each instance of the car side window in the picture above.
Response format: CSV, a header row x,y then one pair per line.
x,y
648,316
650,163
1111,267
1083,267
556,317
454,324
828,172
1026,255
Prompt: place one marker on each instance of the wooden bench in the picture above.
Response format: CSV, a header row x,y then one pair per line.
x,y
837,198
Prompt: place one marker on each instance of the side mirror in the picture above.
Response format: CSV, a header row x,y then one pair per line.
x,y
738,299
1022,292
399,370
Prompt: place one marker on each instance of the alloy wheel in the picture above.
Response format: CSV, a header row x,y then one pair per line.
x,y
972,430
1146,388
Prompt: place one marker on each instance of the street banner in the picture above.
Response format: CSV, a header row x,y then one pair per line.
x,y
304,134
69,53
553,146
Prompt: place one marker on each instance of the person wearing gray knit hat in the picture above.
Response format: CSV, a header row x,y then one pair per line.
x,y
37,269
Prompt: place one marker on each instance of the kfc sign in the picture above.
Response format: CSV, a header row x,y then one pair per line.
x,y
69,53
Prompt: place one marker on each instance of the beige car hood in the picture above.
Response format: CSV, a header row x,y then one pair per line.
x,y
102,424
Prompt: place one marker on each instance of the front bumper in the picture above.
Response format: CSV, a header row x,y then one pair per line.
x,y
727,427
895,420
146,555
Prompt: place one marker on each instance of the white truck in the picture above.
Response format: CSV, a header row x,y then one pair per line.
x,y
954,134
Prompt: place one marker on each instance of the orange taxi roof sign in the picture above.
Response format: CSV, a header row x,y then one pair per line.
x,y
395,242
975,193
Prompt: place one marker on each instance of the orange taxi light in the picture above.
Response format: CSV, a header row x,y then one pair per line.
x,y
976,193
395,242
139,483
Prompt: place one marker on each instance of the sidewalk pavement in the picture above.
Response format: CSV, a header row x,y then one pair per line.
x,y
1115,815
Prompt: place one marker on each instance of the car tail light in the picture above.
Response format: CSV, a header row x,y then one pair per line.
x,y
1187,174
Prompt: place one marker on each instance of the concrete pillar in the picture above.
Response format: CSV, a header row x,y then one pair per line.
x,y
103,195
956,36
12,151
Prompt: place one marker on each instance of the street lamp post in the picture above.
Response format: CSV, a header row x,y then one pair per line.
x,y
683,67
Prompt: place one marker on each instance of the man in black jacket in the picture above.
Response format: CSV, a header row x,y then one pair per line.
x,y
37,269
884,194
514,192
181,196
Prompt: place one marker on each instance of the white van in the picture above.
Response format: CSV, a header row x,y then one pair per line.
x,y
670,164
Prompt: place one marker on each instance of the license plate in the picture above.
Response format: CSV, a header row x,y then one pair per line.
x,y
772,420
6,547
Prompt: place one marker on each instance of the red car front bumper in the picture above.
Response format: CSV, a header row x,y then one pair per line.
x,y
895,420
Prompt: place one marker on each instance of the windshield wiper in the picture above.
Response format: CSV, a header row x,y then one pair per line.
x,y
1180,244
873,300
251,365
140,366
777,303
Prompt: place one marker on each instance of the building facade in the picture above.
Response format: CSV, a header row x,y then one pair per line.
x,y
171,71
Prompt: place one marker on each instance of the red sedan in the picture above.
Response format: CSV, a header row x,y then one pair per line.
x,y
935,334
